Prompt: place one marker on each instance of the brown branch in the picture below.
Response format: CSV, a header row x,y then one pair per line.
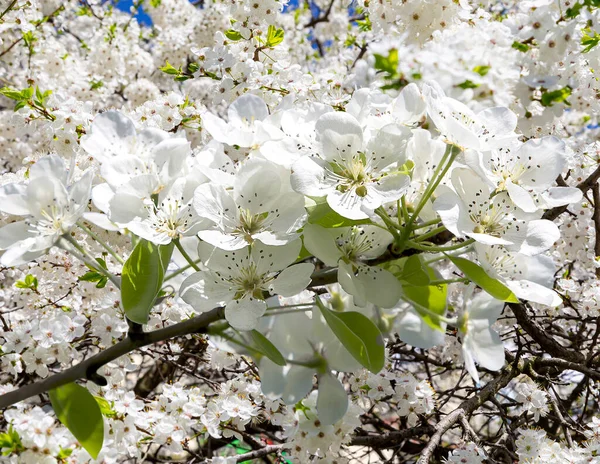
x,y
87,369
539,335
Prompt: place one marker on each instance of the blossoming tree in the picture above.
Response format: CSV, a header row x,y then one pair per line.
x,y
316,231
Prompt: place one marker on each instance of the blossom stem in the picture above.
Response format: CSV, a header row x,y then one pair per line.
x,y
392,227
104,245
451,153
287,311
184,253
179,271
68,243
433,248
429,234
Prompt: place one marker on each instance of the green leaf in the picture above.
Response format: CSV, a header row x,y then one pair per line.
x,y
265,347
13,94
77,410
482,70
30,282
388,64
590,39
574,11
274,36
468,85
321,214
556,96
520,46
142,279
105,407
359,335
233,35
169,69
93,276
10,442
476,274
27,93
408,270
430,302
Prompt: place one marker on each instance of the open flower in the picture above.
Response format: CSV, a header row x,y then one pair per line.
x,y
316,350
527,171
356,175
249,124
459,125
529,277
472,211
347,247
239,279
135,165
50,204
256,209
481,343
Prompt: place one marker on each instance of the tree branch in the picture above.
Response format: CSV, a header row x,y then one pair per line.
x,y
87,368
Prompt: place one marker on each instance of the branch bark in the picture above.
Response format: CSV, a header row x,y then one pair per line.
x,y
87,369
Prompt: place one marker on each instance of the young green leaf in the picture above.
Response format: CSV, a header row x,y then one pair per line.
x,y
492,286
429,301
233,35
321,214
556,96
408,270
265,347
142,279
359,335
274,36
78,410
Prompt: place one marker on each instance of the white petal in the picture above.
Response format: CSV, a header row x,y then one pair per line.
x,y
119,170
520,197
101,220
44,194
125,208
257,186
13,233
222,240
541,235
409,107
290,383
413,330
110,134
531,291
13,199
381,286
559,196
348,204
292,280
275,258
332,402
310,177
448,206
218,128
243,314
247,108
544,158
101,196
192,291
388,146
485,345
351,284
389,188
320,242
340,134
52,165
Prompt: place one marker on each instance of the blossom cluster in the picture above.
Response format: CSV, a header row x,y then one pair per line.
x,y
339,219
